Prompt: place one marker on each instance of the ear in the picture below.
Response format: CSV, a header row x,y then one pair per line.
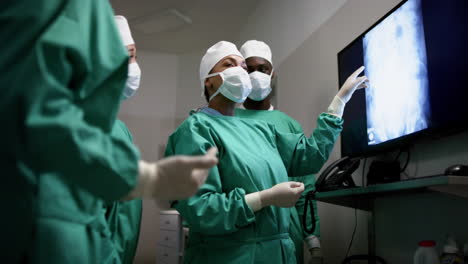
x,y
208,88
273,75
208,83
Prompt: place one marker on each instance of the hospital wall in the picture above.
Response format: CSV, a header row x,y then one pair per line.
x,y
150,116
307,83
285,25
188,94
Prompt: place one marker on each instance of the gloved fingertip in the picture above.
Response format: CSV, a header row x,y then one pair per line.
x,y
201,162
212,151
358,71
294,184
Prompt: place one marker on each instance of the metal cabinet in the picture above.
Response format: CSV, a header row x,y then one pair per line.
x,y
169,248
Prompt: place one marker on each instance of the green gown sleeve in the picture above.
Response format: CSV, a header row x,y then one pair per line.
x,y
302,155
66,71
124,217
210,211
309,185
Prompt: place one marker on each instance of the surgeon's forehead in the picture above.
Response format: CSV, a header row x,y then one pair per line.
x,y
233,58
258,61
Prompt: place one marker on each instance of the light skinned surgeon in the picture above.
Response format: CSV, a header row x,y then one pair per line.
x,y
241,214
63,73
258,106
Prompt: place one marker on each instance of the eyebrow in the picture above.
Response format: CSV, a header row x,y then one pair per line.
x,y
229,60
261,65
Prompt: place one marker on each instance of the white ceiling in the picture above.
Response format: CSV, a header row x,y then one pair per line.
x,y
212,20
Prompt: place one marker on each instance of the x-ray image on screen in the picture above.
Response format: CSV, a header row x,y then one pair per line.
x,y
395,59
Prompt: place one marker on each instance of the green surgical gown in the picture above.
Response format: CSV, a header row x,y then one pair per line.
x,y
285,123
253,156
71,226
63,69
70,216
124,217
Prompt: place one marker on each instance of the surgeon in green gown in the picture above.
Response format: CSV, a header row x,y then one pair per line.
x,y
63,72
258,106
124,217
241,214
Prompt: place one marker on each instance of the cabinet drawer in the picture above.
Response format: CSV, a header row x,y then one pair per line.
x,y
169,238
167,255
169,221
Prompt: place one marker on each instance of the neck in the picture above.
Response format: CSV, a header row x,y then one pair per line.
x,y
223,105
257,105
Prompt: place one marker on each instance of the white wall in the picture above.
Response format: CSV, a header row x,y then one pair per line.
x,y
285,25
150,116
188,88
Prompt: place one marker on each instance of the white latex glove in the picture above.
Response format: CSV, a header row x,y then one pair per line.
x,y
351,84
173,178
283,194
312,242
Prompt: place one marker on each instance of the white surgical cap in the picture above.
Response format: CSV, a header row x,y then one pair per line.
x,y
124,30
213,55
255,48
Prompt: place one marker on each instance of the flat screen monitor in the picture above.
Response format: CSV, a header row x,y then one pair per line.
x,y
416,59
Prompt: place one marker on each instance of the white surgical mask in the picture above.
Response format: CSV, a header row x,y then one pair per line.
x,y
236,84
133,80
261,85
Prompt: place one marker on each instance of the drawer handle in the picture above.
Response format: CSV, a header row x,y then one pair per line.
x,y
166,255
168,222
167,238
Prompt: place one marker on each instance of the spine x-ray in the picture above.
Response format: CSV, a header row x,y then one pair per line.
x,y
395,59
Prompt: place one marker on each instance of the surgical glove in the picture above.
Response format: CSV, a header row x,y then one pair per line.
x,y
173,178
312,242
344,94
283,194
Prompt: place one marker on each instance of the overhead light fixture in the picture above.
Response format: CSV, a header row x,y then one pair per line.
x,y
169,19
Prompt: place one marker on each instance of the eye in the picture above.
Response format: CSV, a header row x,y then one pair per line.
x,y
263,69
